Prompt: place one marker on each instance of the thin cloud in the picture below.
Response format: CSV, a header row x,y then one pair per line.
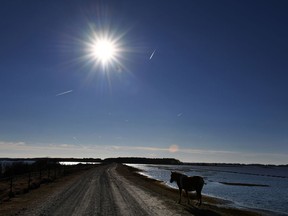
x,y
10,144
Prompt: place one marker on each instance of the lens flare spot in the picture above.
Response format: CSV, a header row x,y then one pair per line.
x,y
173,148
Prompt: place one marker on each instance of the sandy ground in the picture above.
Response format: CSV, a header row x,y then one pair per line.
x,y
113,190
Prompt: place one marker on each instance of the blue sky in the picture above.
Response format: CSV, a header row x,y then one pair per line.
x,y
215,89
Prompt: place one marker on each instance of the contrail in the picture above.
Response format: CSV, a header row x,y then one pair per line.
x,y
75,139
179,114
152,54
78,142
63,93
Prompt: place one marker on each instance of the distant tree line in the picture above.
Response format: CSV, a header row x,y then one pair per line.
x,y
142,160
88,160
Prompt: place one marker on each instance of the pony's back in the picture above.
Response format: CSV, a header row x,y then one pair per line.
x,y
193,183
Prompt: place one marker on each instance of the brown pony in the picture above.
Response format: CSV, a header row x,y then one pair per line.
x,y
193,183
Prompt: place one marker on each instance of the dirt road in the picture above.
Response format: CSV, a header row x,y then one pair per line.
x,y
102,191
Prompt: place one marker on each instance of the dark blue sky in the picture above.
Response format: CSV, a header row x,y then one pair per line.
x,y
214,91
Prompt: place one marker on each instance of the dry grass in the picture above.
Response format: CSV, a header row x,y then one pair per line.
x,y
21,185
15,205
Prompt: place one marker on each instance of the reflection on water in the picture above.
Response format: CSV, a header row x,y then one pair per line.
x,y
75,163
274,197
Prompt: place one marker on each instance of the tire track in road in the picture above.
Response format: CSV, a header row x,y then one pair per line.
x,y
126,202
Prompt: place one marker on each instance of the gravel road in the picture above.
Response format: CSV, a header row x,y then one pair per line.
x,y
101,191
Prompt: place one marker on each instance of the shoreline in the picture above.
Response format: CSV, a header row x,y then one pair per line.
x,y
217,205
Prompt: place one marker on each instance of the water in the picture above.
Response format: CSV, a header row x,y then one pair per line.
x,y
75,163
273,198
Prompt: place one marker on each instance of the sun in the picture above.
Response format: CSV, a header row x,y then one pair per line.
x,y
104,50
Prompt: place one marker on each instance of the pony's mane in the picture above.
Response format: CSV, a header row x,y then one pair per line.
x,y
178,173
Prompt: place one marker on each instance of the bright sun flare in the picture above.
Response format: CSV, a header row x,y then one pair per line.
x,y
104,50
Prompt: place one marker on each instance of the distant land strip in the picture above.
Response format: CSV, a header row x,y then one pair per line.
x,y
143,160
244,184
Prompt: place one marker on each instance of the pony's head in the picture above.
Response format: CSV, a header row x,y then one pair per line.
x,y
173,176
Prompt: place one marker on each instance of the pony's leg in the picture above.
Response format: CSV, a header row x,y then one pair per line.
x,y
180,191
199,196
187,194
